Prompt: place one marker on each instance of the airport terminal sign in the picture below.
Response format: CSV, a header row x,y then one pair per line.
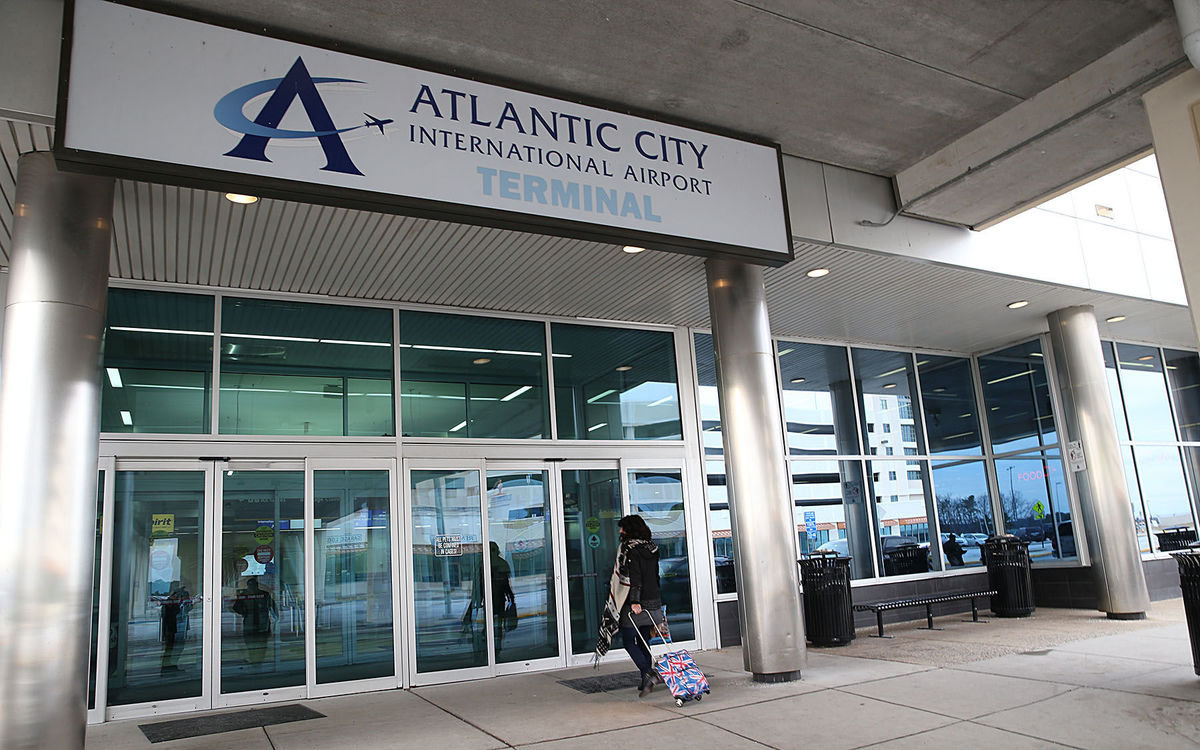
x,y
170,99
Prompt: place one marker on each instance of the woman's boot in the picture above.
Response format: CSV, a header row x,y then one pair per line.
x,y
647,684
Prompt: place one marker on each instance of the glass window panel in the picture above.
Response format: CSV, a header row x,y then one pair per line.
x,y
905,522
657,496
522,565
1164,492
887,387
707,398
447,569
156,631
262,580
1135,499
1147,404
1033,496
1017,396
718,520
472,376
818,400
157,362
352,555
96,557
295,368
951,414
592,507
615,383
1183,372
833,492
964,510
1114,390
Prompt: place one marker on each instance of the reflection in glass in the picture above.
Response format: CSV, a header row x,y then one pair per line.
x,y
262,580
964,510
1114,389
887,387
719,522
352,576
832,491
1164,494
295,368
1135,496
1033,496
592,507
1183,372
657,496
615,383
1017,396
903,512
522,566
1147,405
707,399
818,401
951,414
472,376
96,591
157,362
157,619
447,568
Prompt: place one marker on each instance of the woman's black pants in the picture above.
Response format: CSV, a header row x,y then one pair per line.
x,y
639,653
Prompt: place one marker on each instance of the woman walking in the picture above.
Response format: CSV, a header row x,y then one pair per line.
x,y
634,606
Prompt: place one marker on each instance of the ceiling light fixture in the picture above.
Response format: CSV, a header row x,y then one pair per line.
x,y
1146,358
1018,304
240,199
633,249
1115,319
459,426
624,368
114,377
517,392
817,273
798,380
127,418
480,361
889,385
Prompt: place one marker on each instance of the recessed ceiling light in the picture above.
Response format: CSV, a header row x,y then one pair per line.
x,y
1146,358
1115,319
633,249
481,361
817,273
1018,304
624,368
239,198
889,385
798,380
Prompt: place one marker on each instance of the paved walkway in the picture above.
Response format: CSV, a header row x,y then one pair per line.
x,y
1063,678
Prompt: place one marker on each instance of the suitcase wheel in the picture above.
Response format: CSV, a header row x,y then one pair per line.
x,y
699,696
679,702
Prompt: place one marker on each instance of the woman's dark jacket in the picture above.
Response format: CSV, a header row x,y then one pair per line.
x,y
643,577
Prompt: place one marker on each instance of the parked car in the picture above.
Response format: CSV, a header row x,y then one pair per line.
x,y
973,538
1064,543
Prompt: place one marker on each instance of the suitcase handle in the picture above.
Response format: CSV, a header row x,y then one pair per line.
x,y
642,638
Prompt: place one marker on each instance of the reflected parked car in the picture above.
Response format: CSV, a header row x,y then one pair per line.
x,y
973,538
1064,544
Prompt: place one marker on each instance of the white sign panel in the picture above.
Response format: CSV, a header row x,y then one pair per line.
x,y
1075,459
224,107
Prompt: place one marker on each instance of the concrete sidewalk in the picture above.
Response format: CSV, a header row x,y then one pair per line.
x,y
1063,678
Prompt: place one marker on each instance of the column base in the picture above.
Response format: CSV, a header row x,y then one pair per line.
x,y
1127,615
777,676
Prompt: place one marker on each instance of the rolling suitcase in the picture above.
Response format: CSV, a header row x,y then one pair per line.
x,y
678,671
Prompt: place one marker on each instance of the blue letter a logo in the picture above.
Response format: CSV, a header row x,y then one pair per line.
x,y
297,83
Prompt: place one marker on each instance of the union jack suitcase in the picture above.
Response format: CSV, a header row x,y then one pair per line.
x,y
679,671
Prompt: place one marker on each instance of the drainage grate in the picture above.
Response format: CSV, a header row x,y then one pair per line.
x,y
604,683
178,729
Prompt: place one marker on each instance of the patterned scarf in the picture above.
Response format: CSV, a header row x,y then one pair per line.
x,y
618,590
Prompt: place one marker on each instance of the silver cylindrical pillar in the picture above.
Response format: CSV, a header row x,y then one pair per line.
x,y
1103,495
760,501
49,431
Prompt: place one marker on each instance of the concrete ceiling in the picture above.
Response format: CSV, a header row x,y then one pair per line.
x,y
873,85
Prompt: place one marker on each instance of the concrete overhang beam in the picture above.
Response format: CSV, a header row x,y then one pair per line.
x,y
1084,125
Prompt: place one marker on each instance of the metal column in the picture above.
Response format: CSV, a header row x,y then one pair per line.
x,y
49,432
760,501
1103,495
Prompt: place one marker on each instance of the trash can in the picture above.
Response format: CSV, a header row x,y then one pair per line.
x,y
904,559
828,620
1170,540
1189,581
1007,559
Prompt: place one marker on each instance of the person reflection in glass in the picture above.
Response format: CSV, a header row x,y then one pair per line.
x,y
257,608
502,594
953,551
174,622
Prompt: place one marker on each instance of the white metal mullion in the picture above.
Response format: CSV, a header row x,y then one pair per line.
x,y
930,501
397,412
864,466
104,611
558,549
486,583
214,401
549,345
310,594
398,535
214,486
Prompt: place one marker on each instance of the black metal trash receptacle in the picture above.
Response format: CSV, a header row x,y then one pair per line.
x,y
1170,540
1007,560
905,559
1189,581
828,620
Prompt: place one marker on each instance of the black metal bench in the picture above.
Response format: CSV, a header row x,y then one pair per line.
x,y
927,601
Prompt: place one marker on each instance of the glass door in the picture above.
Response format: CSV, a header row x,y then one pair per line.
x,y
591,502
